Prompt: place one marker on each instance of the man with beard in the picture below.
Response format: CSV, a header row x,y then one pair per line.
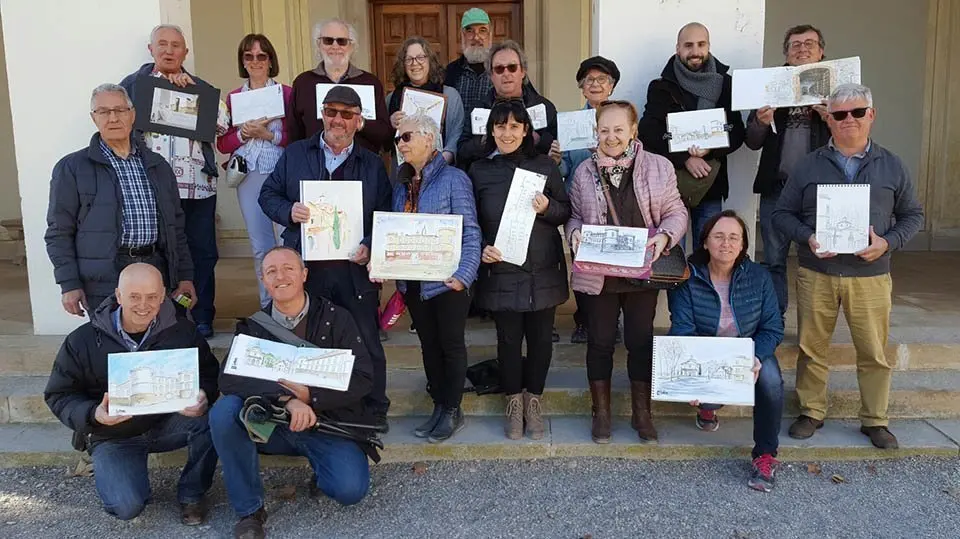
x,y
468,74
336,41
693,80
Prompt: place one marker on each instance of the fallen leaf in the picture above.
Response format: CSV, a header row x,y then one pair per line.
x,y
286,492
872,469
837,479
419,468
814,468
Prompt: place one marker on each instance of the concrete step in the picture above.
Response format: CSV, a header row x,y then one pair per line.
x,y
915,394
482,439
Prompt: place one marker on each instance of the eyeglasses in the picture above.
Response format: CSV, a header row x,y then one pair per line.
x,y
601,80
329,112
410,60
342,41
404,137
476,30
509,67
809,44
260,57
841,115
106,113
721,238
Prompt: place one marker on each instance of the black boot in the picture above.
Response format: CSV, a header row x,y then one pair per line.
x,y
424,430
451,421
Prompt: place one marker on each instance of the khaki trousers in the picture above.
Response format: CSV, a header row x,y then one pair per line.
x,y
866,303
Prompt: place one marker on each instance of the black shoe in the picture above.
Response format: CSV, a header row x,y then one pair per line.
x,y
384,336
427,427
451,421
556,336
251,526
579,335
192,514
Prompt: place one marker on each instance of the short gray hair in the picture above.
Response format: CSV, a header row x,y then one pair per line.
x,y
423,124
508,45
318,30
109,88
850,92
174,27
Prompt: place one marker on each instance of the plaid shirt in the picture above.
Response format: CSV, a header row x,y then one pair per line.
x,y
473,87
139,203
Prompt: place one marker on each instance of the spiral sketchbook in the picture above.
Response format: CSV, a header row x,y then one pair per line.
x,y
843,218
715,370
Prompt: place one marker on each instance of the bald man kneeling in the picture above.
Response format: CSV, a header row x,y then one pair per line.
x,y
140,318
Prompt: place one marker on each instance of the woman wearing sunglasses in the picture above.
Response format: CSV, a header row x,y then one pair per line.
x,y
623,185
259,143
418,68
522,299
427,184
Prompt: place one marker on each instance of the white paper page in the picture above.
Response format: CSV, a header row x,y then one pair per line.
x,y
787,86
613,245
417,102
843,218
478,121
268,360
708,369
538,116
516,223
154,382
335,227
415,246
266,102
703,128
577,130
368,102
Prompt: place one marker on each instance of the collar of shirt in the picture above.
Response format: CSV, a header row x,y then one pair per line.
x,y
246,84
333,160
132,345
290,322
107,150
860,155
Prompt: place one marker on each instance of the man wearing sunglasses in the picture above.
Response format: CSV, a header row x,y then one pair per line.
x,y
859,282
334,154
785,135
335,42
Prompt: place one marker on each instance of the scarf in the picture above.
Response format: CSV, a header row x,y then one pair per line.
x,y
706,84
612,169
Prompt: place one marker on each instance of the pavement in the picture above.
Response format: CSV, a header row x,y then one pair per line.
x,y
556,498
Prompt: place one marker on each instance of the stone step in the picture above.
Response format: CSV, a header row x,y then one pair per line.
x,y
914,395
482,439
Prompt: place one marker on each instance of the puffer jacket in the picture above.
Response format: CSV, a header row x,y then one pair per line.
x,y
541,282
695,307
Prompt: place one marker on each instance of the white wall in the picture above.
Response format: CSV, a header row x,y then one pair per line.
x,y
56,53
640,35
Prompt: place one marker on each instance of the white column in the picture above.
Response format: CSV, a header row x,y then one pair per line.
x,y
56,53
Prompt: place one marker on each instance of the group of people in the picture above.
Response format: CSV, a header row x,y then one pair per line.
x,y
125,243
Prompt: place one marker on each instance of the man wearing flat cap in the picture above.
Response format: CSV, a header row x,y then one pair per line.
x,y
332,155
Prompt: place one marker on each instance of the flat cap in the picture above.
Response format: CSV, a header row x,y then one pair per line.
x,y
344,95
601,63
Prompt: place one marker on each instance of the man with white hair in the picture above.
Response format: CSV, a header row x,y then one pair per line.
x,y
195,165
859,283
336,41
468,73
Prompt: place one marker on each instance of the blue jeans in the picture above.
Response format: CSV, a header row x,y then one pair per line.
x,y
340,466
776,247
700,215
767,408
264,234
200,226
120,465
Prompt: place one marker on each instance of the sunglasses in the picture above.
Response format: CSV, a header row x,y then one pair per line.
x,y
509,67
261,57
342,41
841,115
345,114
404,137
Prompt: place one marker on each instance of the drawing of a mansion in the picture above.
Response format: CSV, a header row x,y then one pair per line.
x,y
613,241
145,387
439,246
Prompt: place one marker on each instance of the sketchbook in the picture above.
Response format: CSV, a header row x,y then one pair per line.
x,y
613,251
715,370
843,218
268,360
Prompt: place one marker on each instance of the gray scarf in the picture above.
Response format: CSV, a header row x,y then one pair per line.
x,y
706,84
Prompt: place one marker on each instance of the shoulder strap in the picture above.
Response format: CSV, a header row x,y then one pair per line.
x,y
286,336
611,210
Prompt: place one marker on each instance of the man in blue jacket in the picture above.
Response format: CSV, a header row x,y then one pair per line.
x,y
331,155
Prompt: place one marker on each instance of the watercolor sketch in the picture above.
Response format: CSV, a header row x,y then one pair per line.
x,y
335,227
713,370
174,109
843,218
792,86
268,360
705,129
415,246
154,382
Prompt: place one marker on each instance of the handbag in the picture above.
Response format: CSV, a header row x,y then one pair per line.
x,y
236,171
692,190
392,311
484,377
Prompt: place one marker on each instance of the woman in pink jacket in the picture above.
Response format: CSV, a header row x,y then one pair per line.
x,y
260,143
643,192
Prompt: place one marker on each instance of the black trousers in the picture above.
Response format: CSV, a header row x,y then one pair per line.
x,y
441,322
639,310
580,315
516,373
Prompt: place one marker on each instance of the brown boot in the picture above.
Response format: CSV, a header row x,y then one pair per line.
x,y
533,415
513,428
600,393
641,420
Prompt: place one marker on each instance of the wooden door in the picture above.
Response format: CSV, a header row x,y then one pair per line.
x,y
439,23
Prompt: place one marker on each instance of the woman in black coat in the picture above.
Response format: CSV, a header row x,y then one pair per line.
x,y
521,298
